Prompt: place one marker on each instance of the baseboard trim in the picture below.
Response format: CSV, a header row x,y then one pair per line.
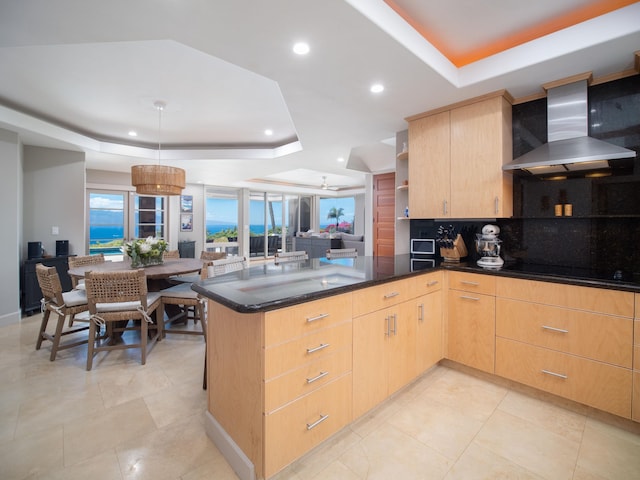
x,y
240,463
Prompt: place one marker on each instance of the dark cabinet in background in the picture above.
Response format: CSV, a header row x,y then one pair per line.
x,y
31,293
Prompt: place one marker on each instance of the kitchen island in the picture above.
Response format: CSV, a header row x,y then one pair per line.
x,y
298,351
285,347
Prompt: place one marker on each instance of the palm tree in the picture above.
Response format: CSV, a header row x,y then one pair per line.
x,y
336,213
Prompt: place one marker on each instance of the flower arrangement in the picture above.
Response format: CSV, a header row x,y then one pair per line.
x,y
145,252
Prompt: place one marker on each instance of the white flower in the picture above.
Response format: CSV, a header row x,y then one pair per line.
x,y
145,247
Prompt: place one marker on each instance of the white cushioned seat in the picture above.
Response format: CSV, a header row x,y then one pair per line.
x,y
73,298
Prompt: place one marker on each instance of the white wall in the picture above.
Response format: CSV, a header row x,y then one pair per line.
x,y
11,214
54,196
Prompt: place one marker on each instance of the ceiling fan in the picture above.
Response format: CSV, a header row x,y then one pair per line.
x,y
335,188
325,186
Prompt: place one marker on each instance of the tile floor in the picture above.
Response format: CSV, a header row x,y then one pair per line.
x,y
127,421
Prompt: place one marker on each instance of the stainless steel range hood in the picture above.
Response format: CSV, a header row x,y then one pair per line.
x,y
569,148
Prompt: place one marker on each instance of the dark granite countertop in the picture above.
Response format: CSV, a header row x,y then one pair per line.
x,y
268,287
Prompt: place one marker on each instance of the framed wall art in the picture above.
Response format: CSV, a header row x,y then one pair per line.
x,y
186,222
186,203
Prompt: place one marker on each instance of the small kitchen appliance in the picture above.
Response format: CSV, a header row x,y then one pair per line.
x,y
488,247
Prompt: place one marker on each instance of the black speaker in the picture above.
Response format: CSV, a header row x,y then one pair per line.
x,y
34,250
62,248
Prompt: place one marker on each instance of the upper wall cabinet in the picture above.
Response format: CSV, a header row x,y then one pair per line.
x,y
456,160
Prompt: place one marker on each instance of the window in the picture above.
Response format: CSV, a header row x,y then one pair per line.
x,y
112,218
221,218
107,214
337,214
149,216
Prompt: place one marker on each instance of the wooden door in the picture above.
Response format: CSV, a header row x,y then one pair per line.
x,y
384,208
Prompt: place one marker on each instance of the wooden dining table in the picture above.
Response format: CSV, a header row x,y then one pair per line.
x,y
157,275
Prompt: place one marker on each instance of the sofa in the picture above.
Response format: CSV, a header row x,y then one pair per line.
x,y
353,241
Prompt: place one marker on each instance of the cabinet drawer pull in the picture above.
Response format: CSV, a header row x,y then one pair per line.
x,y
388,332
395,324
497,205
554,329
559,375
391,295
469,282
317,422
317,317
319,347
444,207
421,314
432,283
317,377
466,297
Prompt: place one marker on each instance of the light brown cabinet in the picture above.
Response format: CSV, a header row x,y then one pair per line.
x,y
471,320
429,325
280,381
430,166
571,341
457,155
635,407
384,354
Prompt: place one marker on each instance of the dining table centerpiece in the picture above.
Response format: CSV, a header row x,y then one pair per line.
x,y
145,252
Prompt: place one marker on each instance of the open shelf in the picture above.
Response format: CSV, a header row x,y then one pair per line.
x,y
402,156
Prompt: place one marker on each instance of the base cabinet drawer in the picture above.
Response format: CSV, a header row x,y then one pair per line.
x,y
285,388
596,336
303,424
599,385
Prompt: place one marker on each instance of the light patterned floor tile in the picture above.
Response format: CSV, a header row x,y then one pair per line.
x,y
92,435
542,451
446,430
32,455
478,463
609,452
102,466
389,453
167,453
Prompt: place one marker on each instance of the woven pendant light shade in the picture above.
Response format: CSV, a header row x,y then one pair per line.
x,y
157,179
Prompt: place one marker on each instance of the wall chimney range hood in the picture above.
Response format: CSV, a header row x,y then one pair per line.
x,y
569,147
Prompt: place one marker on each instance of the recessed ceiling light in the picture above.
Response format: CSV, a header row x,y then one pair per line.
x,y
268,131
133,133
301,48
340,159
377,88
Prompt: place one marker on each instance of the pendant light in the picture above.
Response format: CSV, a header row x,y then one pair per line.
x,y
158,179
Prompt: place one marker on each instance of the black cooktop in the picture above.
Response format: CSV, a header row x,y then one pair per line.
x,y
612,274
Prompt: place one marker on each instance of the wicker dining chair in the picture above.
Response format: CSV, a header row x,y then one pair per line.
x,y
82,261
114,299
226,265
191,307
62,304
288,257
204,255
341,253
171,254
